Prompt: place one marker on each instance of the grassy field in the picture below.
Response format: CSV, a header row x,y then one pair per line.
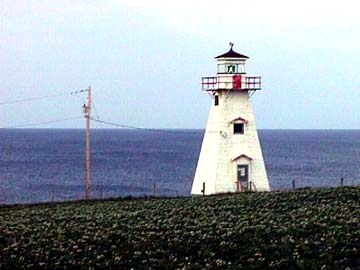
x,y
295,230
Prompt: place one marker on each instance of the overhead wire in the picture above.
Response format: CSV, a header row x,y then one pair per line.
x,y
123,125
97,119
40,97
43,123
96,113
140,128
79,97
93,105
30,99
74,93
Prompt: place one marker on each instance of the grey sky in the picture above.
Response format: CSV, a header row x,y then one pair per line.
x,y
144,60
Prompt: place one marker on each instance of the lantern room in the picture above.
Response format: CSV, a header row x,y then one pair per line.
x,y
231,74
231,62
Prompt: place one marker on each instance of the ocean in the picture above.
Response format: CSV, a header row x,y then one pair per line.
x,y
38,165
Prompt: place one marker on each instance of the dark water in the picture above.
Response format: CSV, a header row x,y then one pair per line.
x,y
43,165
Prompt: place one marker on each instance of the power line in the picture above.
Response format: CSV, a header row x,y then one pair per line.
x,y
138,128
79,97
46,122
40,97
74,93
93,106
123,125
31,99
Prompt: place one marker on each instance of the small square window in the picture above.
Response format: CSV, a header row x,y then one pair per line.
x,y
216,100
238,128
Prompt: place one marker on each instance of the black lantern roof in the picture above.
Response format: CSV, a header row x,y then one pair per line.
x,y
232,54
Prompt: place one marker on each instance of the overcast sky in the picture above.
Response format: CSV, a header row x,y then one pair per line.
x,y
145,59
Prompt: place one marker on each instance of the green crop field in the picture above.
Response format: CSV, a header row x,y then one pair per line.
x,y
294,230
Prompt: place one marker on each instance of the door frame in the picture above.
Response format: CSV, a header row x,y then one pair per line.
x,y
243,180
242,160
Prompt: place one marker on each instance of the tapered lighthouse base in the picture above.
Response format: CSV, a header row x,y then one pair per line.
x,y
231,158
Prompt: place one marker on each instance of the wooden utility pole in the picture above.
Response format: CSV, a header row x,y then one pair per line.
x,y
87,110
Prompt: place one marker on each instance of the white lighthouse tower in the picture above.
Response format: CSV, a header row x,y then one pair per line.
x,y
230,159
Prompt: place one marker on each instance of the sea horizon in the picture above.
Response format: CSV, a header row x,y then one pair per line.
x,y
38,164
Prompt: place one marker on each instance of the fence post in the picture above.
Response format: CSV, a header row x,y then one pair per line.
x,y
293,184
154,189
203,190
101,191
342,181
52,198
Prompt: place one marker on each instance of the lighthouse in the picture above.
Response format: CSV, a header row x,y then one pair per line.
x,y
231,158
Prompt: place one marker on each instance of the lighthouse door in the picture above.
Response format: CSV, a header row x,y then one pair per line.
x,y
243,176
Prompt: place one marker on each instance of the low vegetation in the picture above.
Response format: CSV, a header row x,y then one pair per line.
x,y
294,230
